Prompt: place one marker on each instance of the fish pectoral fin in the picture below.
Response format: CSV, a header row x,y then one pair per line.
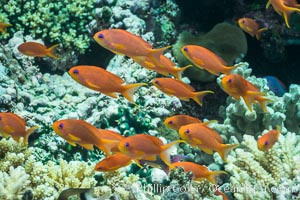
x,y
119,46
87,146
207,150
150,65
74,138
197,141
92,85
8,129
169,91
198,61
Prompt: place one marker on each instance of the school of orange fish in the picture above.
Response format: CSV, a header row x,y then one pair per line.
x,y
120,150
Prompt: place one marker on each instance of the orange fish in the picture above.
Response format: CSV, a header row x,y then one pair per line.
x,y
206,59
109,140
208,140
103,81
199,171
236,86
14,126
284,8
146,147
76,131
179,89
176,121
251,27
113,163
3,27
219,193
166,62
266,141
125,43
36,49
292,3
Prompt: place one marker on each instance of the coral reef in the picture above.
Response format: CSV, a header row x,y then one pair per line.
x,y
266,175
20,172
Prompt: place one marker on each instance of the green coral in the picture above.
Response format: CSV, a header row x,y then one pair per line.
x,y
54,21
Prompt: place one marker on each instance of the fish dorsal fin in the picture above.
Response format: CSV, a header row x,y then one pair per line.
x,y
74,138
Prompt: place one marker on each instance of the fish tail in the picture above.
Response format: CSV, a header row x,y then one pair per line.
x,y
3,28
213,175
51,53
179,71
166,150
259,32
225,150
130,89
156,53
287,14
268,4
198,96
28,133
262,102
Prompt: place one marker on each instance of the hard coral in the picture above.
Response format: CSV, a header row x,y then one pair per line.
x,y
56,21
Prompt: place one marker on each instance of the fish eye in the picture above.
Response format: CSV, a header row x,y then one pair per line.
x,y
266,143
156,81
75,71
185,49
170,122
187,131
61,126
100,36
127,144
230,80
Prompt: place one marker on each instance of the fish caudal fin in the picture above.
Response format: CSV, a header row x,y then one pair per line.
x,y
156,53
130,89
287,14
167,149
225,150
3,28
179,71
259,32
51,53
213,175
28,133
262,102
198,96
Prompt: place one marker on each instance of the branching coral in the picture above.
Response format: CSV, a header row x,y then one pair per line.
x,y
20,172
258,175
